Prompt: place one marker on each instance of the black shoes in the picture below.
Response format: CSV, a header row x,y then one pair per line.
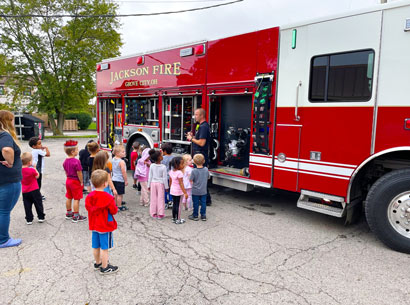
x,y
192,217
110,269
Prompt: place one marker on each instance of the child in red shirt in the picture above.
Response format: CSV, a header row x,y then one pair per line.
x,y
30,189
101,207
74,182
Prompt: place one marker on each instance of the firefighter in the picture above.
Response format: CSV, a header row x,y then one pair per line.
x,y
201,140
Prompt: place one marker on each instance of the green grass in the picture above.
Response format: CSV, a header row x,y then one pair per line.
x,y
71,137
93,126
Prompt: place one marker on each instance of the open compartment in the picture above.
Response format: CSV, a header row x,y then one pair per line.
x,y
179,120
142,111
230,121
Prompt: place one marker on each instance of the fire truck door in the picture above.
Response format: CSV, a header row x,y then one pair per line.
x,y
118,121
106,122
287,151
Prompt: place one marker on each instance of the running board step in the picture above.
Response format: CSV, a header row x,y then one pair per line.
x,y
307,198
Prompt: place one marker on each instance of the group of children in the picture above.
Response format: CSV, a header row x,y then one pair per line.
x,y
162,179
165,179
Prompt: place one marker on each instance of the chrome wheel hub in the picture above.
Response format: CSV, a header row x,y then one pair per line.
x,y
398,214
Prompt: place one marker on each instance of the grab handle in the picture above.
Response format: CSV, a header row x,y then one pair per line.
x,y
297,117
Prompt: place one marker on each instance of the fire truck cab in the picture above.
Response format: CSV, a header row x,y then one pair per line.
x,y
320,108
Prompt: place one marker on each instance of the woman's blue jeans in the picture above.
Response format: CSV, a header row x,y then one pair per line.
x,y
9,195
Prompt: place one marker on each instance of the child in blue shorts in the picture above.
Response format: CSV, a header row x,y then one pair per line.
x,y
101,207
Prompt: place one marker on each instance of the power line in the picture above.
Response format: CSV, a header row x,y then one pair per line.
x,y
119,15
170,2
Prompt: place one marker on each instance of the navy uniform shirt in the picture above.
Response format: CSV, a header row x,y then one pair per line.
x,y
203,132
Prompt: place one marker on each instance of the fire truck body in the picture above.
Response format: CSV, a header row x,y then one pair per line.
x,y
319,108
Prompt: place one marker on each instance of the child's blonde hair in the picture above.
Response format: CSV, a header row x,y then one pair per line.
x,y
141,149
199,159
26,157
117,149
186,158
99,177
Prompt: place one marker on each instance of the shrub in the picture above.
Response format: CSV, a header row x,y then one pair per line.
x,y
84,119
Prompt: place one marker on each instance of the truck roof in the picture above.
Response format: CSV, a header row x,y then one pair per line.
x,y
374,8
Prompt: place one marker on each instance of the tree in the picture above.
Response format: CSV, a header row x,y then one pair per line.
x,y
57,55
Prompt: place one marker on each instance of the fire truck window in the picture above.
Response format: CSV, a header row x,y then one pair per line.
x,y
318,81
346,77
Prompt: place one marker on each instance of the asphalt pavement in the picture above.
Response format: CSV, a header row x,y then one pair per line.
x,y
255,248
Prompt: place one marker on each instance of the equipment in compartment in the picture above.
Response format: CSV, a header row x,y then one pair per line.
x,y
237,146
178,121
213,151
141,111
261,114
230,132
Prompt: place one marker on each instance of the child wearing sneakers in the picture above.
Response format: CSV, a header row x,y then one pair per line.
x,y
93,148
30,189
142,173
157,184
38,152
187,183
167,157
133,161
199,178
119,175
177,189
84,155
74,182
101,207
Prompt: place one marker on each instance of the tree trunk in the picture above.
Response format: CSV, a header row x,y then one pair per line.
x,y
60,121
55,129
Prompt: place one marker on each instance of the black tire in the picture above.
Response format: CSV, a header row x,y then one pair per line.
x,y
379,205
142,141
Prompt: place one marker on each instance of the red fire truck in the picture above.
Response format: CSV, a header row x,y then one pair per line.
x,y
320,108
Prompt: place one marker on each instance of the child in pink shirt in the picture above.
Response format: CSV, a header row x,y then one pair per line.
x,y
176,178
30,189
142,173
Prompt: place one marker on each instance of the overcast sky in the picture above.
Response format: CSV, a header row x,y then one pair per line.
x,y
141,34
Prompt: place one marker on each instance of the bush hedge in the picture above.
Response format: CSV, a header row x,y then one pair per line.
x,y
84,119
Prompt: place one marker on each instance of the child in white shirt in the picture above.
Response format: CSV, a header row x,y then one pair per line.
x,y
157,184
38,152
187,202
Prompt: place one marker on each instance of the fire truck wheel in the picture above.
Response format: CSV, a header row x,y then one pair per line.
x,y
388,209
142,141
